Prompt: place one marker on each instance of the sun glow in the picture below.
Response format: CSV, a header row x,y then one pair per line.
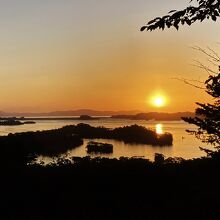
x,y
158,101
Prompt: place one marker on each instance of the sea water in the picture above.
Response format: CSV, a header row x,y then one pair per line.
x,y
184,145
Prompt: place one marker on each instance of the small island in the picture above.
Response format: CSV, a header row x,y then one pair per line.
x,y
97,147
10,123
87,117
14,122
29,122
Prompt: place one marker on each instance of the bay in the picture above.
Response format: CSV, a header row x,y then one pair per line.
x,y
184,145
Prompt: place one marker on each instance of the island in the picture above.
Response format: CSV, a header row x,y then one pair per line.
x,y
97,147
29,122
13,122
87,117
135,134
157,116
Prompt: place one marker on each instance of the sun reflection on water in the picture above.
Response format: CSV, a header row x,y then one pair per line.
x,y
159,129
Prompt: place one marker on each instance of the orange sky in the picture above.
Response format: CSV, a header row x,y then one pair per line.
x,y
90,54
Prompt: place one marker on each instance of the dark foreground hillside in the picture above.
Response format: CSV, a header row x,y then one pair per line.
x,y
112,189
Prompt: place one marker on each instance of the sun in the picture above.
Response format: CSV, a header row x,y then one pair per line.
x,y
158,101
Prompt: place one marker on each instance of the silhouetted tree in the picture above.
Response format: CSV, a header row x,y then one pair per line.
x,y
205,9
207,115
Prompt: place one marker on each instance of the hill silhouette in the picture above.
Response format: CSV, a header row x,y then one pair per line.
x,y
156,116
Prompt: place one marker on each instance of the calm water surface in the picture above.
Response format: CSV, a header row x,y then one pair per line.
x,y
184,145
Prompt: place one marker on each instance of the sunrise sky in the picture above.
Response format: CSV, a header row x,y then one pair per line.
x,y
71,54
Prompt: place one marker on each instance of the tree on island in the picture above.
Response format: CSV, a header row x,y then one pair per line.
x,y
207,117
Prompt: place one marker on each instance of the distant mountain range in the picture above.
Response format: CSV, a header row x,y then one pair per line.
x,y
135,114
70,113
